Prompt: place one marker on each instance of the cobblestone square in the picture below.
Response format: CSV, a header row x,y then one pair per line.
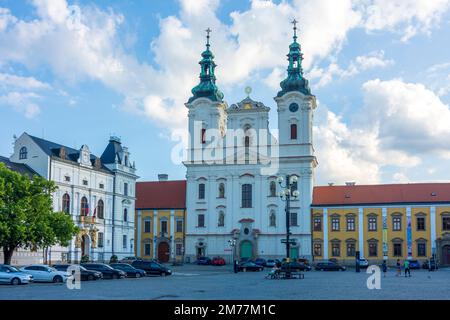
x,y
211,283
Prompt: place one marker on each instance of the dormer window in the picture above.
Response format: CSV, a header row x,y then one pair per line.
x,y
23,153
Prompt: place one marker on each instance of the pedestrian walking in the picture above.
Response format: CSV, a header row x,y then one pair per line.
x,y
407,270
399,268
384,267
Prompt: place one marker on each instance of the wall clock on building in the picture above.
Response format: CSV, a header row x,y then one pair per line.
x,y
293,107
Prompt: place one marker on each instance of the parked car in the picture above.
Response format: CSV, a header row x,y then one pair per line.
x,y
430,265
295,266
152,268
131,271
44,273
329,266
12,275
218,261
203,261
270,263
363,263
246,260
129,259
414,264
250,266
107,271
85,274
261,262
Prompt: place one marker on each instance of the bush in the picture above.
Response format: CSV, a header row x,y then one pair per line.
x,y
113,259
84,259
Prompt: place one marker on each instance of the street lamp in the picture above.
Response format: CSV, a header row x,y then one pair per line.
x,y
286,194
232,243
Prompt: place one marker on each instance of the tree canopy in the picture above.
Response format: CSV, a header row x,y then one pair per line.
x,y
27,219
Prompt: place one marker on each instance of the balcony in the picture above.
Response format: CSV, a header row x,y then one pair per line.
x,y
87,219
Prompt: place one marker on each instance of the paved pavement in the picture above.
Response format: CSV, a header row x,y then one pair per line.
x,y
209,283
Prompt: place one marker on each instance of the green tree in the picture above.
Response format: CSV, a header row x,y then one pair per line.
x,y
27,219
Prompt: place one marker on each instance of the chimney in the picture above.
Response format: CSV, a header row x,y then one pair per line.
x,y
330,184
163,177
350,183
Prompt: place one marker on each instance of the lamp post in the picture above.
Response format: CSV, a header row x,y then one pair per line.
x,y
286,194
232,243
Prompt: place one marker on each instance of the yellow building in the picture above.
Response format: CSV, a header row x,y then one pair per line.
x,y
160,220
397,221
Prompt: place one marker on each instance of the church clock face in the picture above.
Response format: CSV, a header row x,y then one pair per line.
x,y
293,107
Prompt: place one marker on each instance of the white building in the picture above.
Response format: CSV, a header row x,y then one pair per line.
x,y
98,192
233,164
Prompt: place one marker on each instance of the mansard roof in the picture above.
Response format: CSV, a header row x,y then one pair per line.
x,y
381,194
248,104
18,167
56,150
113,150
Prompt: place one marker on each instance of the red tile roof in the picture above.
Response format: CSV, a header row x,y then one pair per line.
x,y
381,194
161,195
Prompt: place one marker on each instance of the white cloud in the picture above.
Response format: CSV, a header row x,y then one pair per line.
x,y
14,81
407,17
373,60
402,126
409,117
21,102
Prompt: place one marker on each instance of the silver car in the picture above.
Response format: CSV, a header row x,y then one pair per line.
x,y
12,275
44,273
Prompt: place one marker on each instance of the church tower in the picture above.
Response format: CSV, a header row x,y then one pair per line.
x,y
207,110
295,110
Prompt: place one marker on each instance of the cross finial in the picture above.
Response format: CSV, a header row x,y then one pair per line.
x,y
294,22
208,31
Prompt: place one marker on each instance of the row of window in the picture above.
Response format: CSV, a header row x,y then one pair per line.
x,y
293,134
293,221
372,223
84,207
397,249
148,249
246,190
101,240
163,226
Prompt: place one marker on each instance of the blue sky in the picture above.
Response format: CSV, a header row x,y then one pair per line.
x,y
76,72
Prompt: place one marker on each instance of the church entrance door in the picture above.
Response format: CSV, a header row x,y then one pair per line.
x,y
246,249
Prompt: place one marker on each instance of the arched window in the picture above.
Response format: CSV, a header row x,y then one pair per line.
x,y
221,190
84,207
247,142
66,203
272,219
125,214
273,189
201,191
246,195
100,209
203,136
293,131
23,153
221,222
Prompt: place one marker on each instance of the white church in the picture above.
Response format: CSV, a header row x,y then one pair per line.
x,y
234,164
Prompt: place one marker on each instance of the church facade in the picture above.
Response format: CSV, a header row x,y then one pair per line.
x,y
234,167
